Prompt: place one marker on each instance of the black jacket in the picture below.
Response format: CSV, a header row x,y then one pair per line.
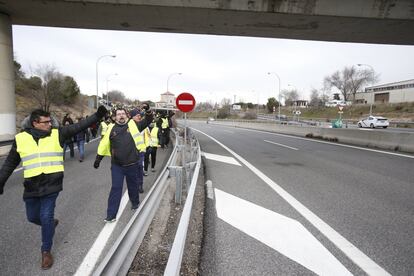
x,y
43,184
123,149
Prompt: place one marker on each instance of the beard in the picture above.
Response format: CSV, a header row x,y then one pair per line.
x,y
121,121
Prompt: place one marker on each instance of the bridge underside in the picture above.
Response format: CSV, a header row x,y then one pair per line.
x,y
372,21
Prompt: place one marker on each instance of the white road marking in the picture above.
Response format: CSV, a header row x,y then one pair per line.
x,y
210,191
95,251
280,145
330,143
353,253
283,234
228,131
221,158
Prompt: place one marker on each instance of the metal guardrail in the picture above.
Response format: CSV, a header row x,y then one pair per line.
x,y
177,251
121,255
119,258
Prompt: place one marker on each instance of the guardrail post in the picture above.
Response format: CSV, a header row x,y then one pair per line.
x,y
177,171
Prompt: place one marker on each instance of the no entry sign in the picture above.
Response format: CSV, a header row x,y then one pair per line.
x,y
185,102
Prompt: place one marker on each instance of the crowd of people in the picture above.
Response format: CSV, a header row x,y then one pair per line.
x,y
129,137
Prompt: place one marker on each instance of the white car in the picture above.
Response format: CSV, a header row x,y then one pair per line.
x,y
374,121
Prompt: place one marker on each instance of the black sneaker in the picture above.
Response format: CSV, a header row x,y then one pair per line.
x,y
140,190
110,219
134,207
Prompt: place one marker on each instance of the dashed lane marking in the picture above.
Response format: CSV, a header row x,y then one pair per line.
x,y
280,145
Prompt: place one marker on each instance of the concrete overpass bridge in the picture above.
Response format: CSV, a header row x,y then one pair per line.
x,y
364,21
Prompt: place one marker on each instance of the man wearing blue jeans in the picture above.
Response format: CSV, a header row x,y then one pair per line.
x,y
122,141
137,116
80,142
40,149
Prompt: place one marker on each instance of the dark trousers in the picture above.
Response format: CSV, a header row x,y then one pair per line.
x,y
118,175
165,137
72,152
151,151
41,211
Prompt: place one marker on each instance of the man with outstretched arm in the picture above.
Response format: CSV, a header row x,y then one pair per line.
x,y
40,149
123,141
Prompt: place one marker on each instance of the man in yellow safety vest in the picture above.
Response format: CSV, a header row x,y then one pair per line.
x,y
152,137
40,149
123,142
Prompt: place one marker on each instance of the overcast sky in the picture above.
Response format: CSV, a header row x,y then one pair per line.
x,y
212,67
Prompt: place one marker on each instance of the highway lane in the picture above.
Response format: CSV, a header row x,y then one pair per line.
x,y
81,208
364,195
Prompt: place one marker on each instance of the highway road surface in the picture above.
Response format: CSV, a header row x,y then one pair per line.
x,y
284,205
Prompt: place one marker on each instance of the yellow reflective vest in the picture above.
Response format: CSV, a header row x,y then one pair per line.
x,y
164,124
151,138
104,128
104,147
46,156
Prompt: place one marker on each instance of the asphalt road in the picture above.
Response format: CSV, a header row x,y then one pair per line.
x,y
80,207
294,206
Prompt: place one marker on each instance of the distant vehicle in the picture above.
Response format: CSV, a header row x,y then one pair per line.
x,y
210,119
374,121
282,117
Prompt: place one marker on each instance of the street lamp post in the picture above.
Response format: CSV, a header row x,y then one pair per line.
x,y
372,94
97,80
279,92
107,94
168,79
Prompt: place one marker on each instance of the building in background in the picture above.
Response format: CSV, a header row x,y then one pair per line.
x,y
167,101
395,92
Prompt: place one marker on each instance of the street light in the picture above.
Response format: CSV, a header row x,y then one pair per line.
x,y
97,80
372,94
107,80
269,73
168,79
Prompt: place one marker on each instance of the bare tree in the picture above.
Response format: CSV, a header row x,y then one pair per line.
x,y
45,87
290,96
349,80
116,96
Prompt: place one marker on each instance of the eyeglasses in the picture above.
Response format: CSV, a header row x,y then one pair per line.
x,y
45,122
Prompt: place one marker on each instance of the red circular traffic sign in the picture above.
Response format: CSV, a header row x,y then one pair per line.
x,y
185,102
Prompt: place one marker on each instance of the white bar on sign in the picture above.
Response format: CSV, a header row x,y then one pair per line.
x,y
185,102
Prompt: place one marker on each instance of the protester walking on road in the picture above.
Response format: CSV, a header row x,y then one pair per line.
x,y
164,124
40,148
80,138
137,116
122,141
68,143
152,136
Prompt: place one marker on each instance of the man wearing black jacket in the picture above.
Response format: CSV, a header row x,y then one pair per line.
x,y
122,142
40,148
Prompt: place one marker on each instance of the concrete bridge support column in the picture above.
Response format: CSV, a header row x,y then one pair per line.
x,y
7,96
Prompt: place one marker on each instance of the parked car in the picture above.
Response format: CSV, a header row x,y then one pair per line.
x,y
374,121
